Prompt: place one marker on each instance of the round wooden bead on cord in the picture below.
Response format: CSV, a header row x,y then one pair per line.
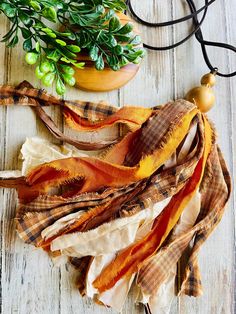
x,y
203,96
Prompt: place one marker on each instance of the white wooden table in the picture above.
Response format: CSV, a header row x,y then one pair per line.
x,y
29,282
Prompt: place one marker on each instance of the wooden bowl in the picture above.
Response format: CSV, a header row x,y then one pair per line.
x,y
90,79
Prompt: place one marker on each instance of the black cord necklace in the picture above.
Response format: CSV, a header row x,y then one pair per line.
x,y
196,31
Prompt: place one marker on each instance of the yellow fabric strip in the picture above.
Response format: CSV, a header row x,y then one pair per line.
x,y
131,259
96,173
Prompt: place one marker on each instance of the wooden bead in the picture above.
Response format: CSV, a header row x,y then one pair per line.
x,y
202,96
208,79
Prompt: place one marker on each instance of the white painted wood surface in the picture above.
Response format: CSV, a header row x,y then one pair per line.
x,y
29,282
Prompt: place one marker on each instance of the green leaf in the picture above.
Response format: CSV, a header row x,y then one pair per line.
x,y
99,64
72,36
137,60
109,15
48,79
8,10
67,69
39,74
46,66
53,55
112,41
118,50
123,38
73,48
27,45
52,35
79,65
113,61
134,55
38,25
115,67
25,33
114,24
74,18
49,32
100,9
93,53
65,60
35,5
50,14
46,30
70,80
60,87
61,42
126,29
140,52
25,18
124,61
37,46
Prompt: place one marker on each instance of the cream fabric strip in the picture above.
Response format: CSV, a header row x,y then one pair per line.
x,y
60,224
161,302
116,296
36,151
112,236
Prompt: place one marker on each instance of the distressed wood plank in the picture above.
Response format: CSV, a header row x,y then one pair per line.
x,y
217,255
30,283
28,280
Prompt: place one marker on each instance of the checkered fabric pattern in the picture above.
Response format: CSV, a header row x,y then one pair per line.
x,y
25,95
215,191
155,129
33,217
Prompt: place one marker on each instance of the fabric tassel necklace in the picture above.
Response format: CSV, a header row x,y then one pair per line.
x,y
118,216
122,217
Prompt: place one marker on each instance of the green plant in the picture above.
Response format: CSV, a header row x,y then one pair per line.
x,y
87,24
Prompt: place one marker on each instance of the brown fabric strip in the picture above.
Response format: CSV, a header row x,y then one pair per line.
x,y
215,195
11,183
25,94
62,137
215,192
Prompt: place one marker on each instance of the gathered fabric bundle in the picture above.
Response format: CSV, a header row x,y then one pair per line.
x,y
128,215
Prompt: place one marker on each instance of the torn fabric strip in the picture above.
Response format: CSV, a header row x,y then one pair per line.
x,y
123,216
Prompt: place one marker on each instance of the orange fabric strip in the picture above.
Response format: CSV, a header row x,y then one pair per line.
x,y
133,117
90,174
130,260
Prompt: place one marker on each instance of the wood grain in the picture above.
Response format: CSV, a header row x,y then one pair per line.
x,y
29,282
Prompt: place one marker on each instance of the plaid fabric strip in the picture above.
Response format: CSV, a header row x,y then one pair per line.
x,y
91,110
46,202
36,216
214,197
44,210
82,267
33,218
156,129
30,224
167,182
26,95
215,193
